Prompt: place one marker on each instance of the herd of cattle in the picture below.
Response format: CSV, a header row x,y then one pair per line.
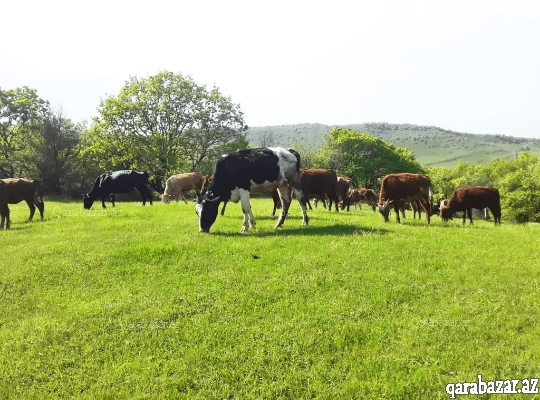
x,y
274,171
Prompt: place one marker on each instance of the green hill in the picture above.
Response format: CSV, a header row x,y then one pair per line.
x,y
432,146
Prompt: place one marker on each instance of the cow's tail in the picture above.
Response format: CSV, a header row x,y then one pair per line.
x,y
38,193
297,155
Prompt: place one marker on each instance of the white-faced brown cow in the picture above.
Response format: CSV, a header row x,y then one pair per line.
x,y
15,190
361,195
179,184
343,187
397,189
466,198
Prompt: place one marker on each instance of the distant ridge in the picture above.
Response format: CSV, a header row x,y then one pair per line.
x,y
432,146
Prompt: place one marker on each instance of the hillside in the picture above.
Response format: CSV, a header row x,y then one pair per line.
x,y
432,146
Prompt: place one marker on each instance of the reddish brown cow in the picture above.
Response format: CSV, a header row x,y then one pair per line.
x,y
177,185
397,189
15,190
466,198
320,183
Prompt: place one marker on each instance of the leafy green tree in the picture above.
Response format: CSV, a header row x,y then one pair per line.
x,y
364,157
54,152
442,181
163,124
21,116
207,165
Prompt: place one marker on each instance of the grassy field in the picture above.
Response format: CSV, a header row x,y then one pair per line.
x,y
140,305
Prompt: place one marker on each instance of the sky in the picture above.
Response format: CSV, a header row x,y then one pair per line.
x,y
466,65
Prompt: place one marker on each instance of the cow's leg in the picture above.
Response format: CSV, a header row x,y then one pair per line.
x,y
285,196
396,210
302,200
145,194
32,209
336,202
309,205
103,201
183,198
246,210
41,207
425,206
5,214
276,198
223,208
469,211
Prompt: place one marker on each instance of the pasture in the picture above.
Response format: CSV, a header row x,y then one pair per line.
x,y
140,305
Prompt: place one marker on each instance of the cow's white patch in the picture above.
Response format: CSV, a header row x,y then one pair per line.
x,y
286,161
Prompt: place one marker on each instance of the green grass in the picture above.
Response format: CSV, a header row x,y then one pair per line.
x,y
141,305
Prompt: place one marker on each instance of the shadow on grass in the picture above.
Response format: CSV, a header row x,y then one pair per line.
x,y
336,230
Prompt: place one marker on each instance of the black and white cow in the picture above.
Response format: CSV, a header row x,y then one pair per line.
x,y
236,173
118,182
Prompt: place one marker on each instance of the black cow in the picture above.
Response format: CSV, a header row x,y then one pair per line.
x,y
118,182
238,172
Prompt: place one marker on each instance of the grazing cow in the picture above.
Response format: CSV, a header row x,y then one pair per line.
x,y
361,195
466,198
270,188
321,184
15,190
118,182
239,172
397,189
177,185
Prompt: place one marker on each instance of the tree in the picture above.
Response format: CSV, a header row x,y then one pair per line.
x,y
364,157
163,123
54,151
267,139
21,115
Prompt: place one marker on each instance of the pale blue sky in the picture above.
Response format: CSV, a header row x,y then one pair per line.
x,y
466,65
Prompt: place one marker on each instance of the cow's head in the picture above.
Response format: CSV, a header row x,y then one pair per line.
x,y
445,212
164,198
384,209
88,201
207,210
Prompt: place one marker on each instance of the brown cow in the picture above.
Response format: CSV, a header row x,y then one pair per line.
x,y
177,185
15,190
362,195
320,183
343,187
466,198
397,189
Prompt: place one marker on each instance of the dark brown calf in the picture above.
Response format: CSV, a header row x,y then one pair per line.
x,y
15,190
